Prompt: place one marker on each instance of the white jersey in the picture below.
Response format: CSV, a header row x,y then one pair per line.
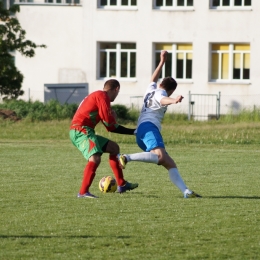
x,y
152,110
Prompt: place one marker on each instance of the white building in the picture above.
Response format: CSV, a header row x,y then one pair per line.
x,y
213,49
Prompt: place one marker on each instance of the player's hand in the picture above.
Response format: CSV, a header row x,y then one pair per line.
x,y
163,55
179,99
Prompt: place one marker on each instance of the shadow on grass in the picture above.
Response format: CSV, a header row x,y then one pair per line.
x,y
233,197
54,236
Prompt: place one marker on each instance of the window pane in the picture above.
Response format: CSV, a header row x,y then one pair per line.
x,y
132,64
247,2
157,61
246,73
246,60
179,66
107,45
236,73
184,47
180,3
215,3
236,66
133,2
127,45
246,66
189,2
189,69
168,2
112,64
123,73
168,65
220,47
159,2
163,46
226,3
241,47
124,2
238,2
113,2
189,66
214,69
103,2
224,66
103,64
236,61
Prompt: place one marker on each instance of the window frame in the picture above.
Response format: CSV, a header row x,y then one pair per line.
x,y
44,2
118,50
231,6
174,6
118,6
231,51
174,51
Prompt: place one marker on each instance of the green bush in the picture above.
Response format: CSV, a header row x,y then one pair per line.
x,y
124,114
53,110
38,111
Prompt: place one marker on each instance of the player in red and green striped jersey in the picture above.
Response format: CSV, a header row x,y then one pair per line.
x,y
93,109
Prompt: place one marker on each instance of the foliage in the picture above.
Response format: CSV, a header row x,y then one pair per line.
x,y
54,110
12,38
38,111
245,115
124,114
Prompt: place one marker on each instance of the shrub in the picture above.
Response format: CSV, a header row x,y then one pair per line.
x,y
38,111
124,114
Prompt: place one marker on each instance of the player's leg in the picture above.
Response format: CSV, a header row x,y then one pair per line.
x,y
146,138
89,174
175,177
112,148
87,143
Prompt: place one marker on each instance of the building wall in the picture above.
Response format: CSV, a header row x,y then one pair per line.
x,y
61,29
72,33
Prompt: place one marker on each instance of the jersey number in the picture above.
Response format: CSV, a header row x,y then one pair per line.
x,y
148,99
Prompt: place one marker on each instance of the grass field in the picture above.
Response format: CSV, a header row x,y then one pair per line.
x,y
41,218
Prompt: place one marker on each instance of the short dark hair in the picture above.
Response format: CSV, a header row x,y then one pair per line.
x,y
169,83
111,84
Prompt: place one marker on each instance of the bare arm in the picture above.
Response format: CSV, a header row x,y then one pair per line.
x,y
158,70
168,101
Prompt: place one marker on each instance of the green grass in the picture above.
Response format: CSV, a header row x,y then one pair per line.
x,y
41,218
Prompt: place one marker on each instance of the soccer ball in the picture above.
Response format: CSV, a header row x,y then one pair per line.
x,y
107,184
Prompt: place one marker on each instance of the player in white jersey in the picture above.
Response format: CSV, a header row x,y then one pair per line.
x,y
148,136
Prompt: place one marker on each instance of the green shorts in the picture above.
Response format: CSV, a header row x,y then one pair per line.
x,y
87,141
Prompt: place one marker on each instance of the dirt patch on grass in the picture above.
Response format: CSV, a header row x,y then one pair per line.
x,y
9,114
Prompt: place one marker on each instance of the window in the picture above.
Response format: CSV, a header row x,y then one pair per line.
x,y
117,60
172,4
230,3
8,3
117,3
230,62
65,2
24,1
179,60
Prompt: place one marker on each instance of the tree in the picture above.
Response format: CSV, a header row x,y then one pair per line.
x,y
12,38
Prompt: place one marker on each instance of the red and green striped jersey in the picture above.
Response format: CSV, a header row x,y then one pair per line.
x,y
93,109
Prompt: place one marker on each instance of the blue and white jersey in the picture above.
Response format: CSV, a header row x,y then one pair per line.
x,y
152,110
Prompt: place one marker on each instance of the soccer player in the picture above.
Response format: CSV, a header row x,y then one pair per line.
x,y
93,109
148,136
